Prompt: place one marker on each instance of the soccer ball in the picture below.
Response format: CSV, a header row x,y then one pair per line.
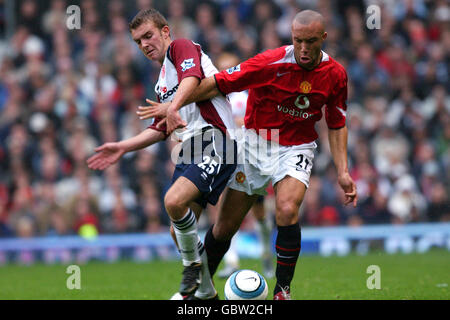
x,y
246,285
177,296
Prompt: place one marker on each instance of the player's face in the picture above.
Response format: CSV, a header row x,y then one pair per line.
x,y
153,42
307,40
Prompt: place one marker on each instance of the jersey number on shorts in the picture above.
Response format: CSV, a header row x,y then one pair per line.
x,y
208,165
302,163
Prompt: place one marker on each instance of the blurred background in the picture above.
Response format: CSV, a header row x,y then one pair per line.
x,y
63,92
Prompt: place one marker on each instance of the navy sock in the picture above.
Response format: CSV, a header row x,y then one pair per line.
x,y
287,246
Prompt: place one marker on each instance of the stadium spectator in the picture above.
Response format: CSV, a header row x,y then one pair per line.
x,y
439,207
182,25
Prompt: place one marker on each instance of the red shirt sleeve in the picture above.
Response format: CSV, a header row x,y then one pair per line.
x,y
186,57
336,108
162,129
252,73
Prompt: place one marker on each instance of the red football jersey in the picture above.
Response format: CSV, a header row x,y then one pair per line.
x,y
287,97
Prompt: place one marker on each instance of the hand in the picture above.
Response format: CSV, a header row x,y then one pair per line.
x,y
107,154
348,185
155,109
173,120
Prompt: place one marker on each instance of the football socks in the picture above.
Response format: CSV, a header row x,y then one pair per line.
x,y
288,247
215,250
187,238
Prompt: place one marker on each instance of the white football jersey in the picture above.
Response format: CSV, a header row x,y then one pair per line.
x,y
185,58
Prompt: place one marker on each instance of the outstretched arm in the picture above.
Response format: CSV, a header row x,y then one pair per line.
x,y
338,147
110,152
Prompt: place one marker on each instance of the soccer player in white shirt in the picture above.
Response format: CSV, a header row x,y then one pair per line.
x,y
206,160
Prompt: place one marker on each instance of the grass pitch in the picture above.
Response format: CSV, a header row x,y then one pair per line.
x,y
414,276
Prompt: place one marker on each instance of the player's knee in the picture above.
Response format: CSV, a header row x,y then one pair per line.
x,y
174,205
287,212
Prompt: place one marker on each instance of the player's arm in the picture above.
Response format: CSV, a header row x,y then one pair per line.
x,y
338,147
191,92
207,89
335,116
110,152
186,57
186,87
251,73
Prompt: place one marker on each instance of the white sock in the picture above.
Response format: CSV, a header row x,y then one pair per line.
x,y
187,238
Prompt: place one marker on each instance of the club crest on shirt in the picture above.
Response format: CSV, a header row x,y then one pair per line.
x,y
187,64
305,87
240,177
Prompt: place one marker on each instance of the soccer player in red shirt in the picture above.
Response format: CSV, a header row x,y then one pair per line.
x,y
287,87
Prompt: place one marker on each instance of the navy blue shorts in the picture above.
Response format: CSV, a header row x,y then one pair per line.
x,y
208,160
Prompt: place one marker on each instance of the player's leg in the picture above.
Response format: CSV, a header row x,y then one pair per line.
x,y
206,288
177,200
197,211
235,206
211,175
264,227
289,193
230,260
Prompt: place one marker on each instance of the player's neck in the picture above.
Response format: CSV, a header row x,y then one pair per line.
x,y
166,47
316,64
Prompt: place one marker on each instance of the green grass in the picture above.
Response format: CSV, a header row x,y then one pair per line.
x,y
413,276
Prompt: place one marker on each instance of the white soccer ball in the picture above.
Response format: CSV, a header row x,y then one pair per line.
x,y
177,296
246,285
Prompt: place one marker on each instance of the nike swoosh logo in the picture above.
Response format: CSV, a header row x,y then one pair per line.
x,y
282,74
253,278
285,257
344,113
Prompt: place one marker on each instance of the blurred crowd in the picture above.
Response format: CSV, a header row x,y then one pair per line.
x,y
63,92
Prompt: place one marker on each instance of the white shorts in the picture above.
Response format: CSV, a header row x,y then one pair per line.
x,y
261,162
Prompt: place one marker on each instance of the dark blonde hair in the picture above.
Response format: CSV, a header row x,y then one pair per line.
x,y
146,16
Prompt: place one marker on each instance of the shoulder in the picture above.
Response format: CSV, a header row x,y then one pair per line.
x,y
337,69
278,55
180,45
182,49
182,42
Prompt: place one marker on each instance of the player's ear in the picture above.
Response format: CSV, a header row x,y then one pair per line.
x,y
165,31
325,35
